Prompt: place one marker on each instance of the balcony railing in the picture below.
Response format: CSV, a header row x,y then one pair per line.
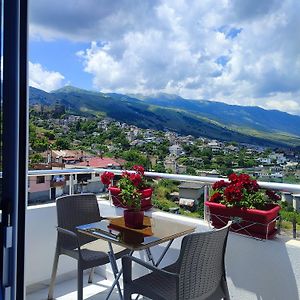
x,y
282,187
74,184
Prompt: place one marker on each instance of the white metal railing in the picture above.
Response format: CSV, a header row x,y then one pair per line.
x,y
282,187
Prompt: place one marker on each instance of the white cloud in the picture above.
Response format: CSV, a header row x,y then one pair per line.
x,y
241,52
43,79
290,106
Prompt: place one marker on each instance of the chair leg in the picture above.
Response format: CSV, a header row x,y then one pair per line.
x,y
91,276
126,293
79,282
53,275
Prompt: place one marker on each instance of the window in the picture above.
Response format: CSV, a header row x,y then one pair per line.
x,y
40,179
14,146
83,177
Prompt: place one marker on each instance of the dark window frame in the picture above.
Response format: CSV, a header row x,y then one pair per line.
x,y
40,179
14,137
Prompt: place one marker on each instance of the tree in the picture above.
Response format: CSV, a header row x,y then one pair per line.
x,y
62,143
134,157
160,168
36,158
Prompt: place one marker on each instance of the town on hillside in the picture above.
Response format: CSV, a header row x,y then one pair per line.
x,y
59,139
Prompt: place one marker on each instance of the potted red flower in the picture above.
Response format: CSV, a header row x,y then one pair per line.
x,y
241,197
131,191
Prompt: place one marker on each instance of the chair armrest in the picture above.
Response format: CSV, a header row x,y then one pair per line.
x,y
67,232
71,234
127,267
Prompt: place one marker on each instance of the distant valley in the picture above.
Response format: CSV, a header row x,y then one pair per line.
x,y
209,119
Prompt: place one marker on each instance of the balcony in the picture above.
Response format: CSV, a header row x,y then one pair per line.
x,y
55,184
255,269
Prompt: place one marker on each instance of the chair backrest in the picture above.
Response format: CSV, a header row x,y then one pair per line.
x,y
201,263
75,210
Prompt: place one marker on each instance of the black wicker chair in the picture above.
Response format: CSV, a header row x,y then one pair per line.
x,y
72,211
198,273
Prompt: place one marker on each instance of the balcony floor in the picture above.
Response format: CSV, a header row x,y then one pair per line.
x,y
67,290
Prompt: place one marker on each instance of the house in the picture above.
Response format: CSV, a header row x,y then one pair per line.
x,y
175,150
46,187
264,160
100,162
279,158
170,165
68,156
39,189
215,145
190,193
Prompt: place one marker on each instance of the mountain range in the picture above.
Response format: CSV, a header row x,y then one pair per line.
x,y
216,120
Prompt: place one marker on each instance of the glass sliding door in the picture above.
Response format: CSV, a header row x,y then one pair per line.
x,y
14,144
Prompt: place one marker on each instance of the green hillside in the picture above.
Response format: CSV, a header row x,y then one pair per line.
x,y
147,115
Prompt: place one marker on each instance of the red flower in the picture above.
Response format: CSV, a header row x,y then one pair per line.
x,y
244,178
139,169
135,178
233,178
106,177
220,184
233,193
252,186
216,197
272,195
242,191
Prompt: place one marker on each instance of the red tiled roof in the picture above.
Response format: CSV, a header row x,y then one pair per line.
x,y
98,162
70,158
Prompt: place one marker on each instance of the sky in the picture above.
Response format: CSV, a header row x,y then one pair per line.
x,y
244,52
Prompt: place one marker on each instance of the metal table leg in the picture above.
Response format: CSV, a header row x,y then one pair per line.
x,y
164,253
150,256
117,273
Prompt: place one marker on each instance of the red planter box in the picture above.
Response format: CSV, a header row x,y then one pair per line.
x,y
146,198
255,222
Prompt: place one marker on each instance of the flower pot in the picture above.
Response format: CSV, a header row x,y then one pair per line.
x,y
146,202
254,222
133,219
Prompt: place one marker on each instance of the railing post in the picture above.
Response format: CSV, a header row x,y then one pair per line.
x,y
71,184
296,202
206,193
294,222
287,197
279,224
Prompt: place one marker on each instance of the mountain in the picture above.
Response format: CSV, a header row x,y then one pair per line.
x,y
232,115
37,96
170,112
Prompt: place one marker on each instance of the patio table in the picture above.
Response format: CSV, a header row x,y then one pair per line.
x,y
154,231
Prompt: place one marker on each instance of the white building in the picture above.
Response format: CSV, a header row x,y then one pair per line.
x,y
175,150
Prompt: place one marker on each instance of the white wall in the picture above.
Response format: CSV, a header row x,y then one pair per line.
x,y
255,269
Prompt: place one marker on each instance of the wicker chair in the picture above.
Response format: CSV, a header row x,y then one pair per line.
x,y
198,273
72,211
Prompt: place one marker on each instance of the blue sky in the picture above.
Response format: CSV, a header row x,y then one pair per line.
x,y
61,55
239,52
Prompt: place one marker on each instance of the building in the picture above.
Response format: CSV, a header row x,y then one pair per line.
x,y
190,193
175,150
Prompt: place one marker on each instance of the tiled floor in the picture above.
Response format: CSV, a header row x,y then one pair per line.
x,y
67,290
